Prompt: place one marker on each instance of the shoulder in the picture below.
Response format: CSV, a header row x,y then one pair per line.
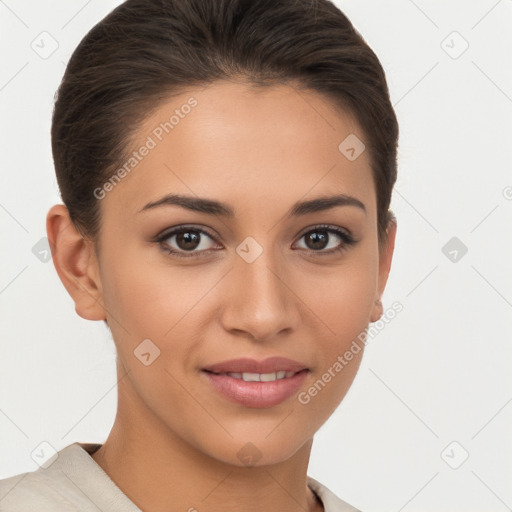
x,y
31,491
330,501
72,481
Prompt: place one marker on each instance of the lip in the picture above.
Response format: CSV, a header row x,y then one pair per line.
x,y
269,365
256,394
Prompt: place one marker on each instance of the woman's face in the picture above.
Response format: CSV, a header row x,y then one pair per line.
x,y
258,271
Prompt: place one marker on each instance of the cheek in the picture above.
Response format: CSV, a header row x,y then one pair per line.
x,y
344,299
150,299
342,306
342,312
156,301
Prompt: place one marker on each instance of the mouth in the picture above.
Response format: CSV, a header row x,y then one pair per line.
x,y
257,384
256,389
271,368
259,377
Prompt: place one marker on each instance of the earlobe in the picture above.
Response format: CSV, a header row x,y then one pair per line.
x,y
385,259
76,264
377,311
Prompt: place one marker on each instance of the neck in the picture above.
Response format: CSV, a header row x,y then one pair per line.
x,y
158,471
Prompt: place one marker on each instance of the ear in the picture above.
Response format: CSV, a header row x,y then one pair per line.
x,y
385,258
76,263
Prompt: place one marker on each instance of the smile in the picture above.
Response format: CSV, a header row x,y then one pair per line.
x,y
260,377
257,390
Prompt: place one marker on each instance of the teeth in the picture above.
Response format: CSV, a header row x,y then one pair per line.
x,y
260,377
252,377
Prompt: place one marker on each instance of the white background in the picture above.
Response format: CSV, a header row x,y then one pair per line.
x,y
438,373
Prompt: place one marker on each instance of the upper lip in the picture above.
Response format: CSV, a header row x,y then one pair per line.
x,y
246,365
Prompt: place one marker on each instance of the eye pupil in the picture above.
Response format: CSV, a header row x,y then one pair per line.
x,y
187,240
318,239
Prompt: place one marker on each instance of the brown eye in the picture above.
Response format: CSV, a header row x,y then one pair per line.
x,y
317,240
188,240
327,240
183,240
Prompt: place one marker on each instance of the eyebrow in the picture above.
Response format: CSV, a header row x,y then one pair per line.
x,y
212,207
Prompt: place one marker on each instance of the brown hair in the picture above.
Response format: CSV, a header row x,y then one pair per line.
x,y
145,51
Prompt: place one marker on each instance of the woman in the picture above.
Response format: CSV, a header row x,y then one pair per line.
x,y
226,169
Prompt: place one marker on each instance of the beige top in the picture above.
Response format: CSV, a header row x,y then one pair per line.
x,y
75,482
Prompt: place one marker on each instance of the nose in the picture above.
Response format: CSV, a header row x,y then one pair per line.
x,y
259,299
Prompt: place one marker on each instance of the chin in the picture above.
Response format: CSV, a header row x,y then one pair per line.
x,y
256,451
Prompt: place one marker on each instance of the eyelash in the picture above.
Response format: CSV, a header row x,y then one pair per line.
x,y
347,241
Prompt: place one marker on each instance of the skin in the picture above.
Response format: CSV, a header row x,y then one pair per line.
x,y
259,151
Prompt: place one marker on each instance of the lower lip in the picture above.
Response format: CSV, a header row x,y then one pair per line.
x,y
256,394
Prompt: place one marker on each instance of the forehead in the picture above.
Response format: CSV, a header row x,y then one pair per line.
x,y
233,141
